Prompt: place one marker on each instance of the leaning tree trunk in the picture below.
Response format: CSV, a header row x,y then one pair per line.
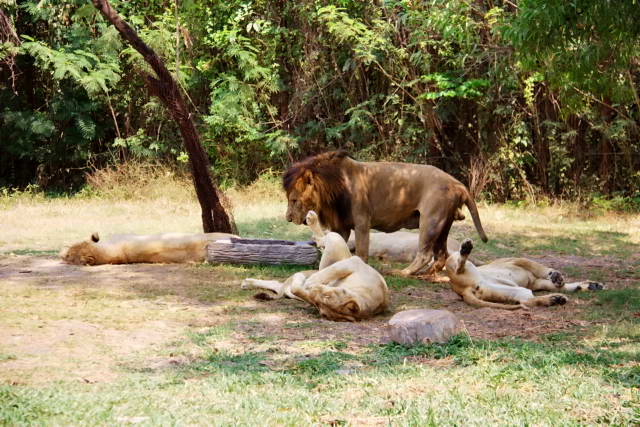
x,y
214,217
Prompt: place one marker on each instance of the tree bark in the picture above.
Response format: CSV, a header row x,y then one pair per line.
x,y
257,251
214,216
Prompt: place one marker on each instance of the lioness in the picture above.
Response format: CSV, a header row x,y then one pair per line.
x,y
508,282
345,288
399,246
384,196
132,248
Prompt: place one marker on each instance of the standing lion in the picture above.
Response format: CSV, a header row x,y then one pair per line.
x,y
351,195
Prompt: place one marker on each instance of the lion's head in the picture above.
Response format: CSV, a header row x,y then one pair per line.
x,y
83,253
317,184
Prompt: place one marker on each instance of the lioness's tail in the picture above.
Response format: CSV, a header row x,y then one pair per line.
x,y
473,210
474,301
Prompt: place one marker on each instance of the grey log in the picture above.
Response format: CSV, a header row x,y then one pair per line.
x,y
262,251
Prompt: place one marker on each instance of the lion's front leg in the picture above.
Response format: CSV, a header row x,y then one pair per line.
x,y
362,229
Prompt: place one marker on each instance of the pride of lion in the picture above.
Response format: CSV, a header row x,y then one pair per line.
x,y
333,194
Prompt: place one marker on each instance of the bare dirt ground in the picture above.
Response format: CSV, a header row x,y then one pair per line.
x,y
88,322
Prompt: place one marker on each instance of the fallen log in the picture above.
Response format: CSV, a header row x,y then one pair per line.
x,y
262,251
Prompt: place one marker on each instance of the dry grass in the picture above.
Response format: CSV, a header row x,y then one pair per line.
x,y
139,181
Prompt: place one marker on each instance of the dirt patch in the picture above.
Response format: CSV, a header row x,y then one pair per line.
x,y
63,322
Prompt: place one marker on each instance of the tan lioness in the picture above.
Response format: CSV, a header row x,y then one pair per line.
x,y
399,246
385,196
508,283
344,288
132,248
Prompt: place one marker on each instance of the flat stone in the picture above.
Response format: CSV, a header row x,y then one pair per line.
x,y
422,326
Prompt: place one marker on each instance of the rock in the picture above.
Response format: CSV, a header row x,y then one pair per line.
x,y
423,326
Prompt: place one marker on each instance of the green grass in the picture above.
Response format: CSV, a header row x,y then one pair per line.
x,y
398,282
31,252
503,382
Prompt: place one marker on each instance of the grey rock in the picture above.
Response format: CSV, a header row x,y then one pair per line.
x,y
423,326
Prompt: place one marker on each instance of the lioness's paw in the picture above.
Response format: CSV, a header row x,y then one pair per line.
x,y
556,278
311,218
558,299
466,247
246,284
595,286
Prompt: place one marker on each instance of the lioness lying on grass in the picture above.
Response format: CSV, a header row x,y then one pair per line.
x,y
508,283
344,288
399,246
132,248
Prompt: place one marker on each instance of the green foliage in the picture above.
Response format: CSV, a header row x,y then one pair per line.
x,y
616,203
583,43
544,94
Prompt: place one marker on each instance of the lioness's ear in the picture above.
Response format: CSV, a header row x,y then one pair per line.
x,y
95,237
351,307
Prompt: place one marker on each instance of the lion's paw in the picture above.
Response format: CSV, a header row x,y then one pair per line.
x,y
466,247
556,278
311,218
595,286
558,299
246,284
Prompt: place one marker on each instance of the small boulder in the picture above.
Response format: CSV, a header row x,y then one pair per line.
x,y
421,326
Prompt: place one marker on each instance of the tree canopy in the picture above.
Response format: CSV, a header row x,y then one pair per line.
x,y
517,97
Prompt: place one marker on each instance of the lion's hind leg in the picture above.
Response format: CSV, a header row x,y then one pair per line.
x,y
432,241
546,300
497,292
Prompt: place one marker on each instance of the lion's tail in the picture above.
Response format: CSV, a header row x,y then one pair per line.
x,y
473,210
474,301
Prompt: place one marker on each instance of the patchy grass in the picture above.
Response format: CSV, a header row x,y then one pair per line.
x,y
183,344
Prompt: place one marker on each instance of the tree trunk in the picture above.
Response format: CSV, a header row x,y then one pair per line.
x,y
214,216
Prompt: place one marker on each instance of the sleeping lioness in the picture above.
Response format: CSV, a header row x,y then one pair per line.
x,y
132,248
344,287
399,246
508,283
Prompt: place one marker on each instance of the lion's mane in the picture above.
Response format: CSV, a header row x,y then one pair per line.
x,y
330,192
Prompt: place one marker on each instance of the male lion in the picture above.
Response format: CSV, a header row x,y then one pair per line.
x,y
344,288
385,196
131,248
508,282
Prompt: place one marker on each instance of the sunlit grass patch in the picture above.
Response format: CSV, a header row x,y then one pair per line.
x,y
208,336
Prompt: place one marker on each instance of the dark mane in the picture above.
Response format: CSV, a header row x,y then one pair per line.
x,y
325,166
329,181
